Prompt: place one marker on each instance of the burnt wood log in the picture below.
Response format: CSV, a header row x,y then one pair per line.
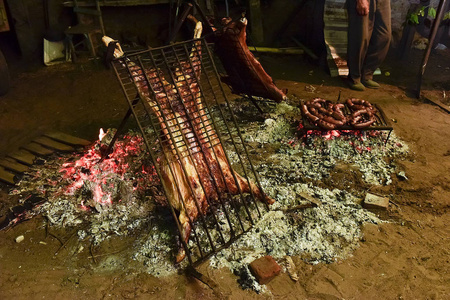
x,y
6,176
47,142
13,165
38,149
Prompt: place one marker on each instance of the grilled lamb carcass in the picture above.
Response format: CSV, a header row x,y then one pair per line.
x,y
198,171
245,74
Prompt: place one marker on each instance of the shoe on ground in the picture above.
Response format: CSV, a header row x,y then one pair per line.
x,y
357,86
370,84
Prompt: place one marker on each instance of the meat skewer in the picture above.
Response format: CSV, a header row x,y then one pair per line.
x,y
197,171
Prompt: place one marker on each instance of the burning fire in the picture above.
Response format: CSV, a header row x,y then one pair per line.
x,y
101,134
97,176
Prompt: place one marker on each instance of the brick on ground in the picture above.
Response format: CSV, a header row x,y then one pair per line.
x,y
375,201
265,269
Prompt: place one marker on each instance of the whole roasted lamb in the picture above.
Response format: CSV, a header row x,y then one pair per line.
x,y
198,171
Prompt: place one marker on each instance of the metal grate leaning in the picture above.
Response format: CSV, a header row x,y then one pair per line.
x,y
193,139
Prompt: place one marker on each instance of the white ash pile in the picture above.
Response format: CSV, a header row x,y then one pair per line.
x,y
322,234
290,169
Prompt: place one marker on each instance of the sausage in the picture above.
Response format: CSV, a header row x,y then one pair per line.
x,y
362,112
308,114
356,120
358,101
325,111
358,107
332,121
326,125
329,115
364,124
357,113
356,104
338,114
349,103
304,108
316,100
315,105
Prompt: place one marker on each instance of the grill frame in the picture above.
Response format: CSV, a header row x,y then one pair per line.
x,y
217,110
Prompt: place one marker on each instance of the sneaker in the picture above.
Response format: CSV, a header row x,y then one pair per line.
x,y
371,84
356,86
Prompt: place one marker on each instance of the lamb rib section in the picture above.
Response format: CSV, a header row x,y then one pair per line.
x,y
174,85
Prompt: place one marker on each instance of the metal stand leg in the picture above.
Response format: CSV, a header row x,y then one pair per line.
x,y
106,153
389,134
179,23
256,104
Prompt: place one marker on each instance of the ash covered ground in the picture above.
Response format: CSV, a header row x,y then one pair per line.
x,y
122,196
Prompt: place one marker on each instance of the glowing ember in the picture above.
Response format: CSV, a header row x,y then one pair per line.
x,y
332,134
98,176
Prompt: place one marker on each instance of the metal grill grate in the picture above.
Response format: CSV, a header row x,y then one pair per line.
x,y
176,97
382,122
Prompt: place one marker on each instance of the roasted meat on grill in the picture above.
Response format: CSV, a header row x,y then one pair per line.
x,y
198,171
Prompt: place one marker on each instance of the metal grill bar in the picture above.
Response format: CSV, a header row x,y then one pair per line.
x,y
188,128
197,138
196,202
233,141
204,127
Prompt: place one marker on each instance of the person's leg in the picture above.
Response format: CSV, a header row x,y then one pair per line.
x,y
379,42
359,33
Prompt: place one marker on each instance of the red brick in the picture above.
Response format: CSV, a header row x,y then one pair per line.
x,y
265,269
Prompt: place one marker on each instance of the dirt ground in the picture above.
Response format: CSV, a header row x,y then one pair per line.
x,y
405,258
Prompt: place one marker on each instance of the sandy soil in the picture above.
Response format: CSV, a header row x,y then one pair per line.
x,y
405,258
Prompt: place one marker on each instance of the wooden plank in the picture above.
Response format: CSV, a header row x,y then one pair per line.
x,y
67,138
47,142
117,2
295,51
306,49
13,165
38,149
6,176
23,156
446,108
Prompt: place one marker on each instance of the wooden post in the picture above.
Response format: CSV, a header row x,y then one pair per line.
x,y
256,21
434,29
